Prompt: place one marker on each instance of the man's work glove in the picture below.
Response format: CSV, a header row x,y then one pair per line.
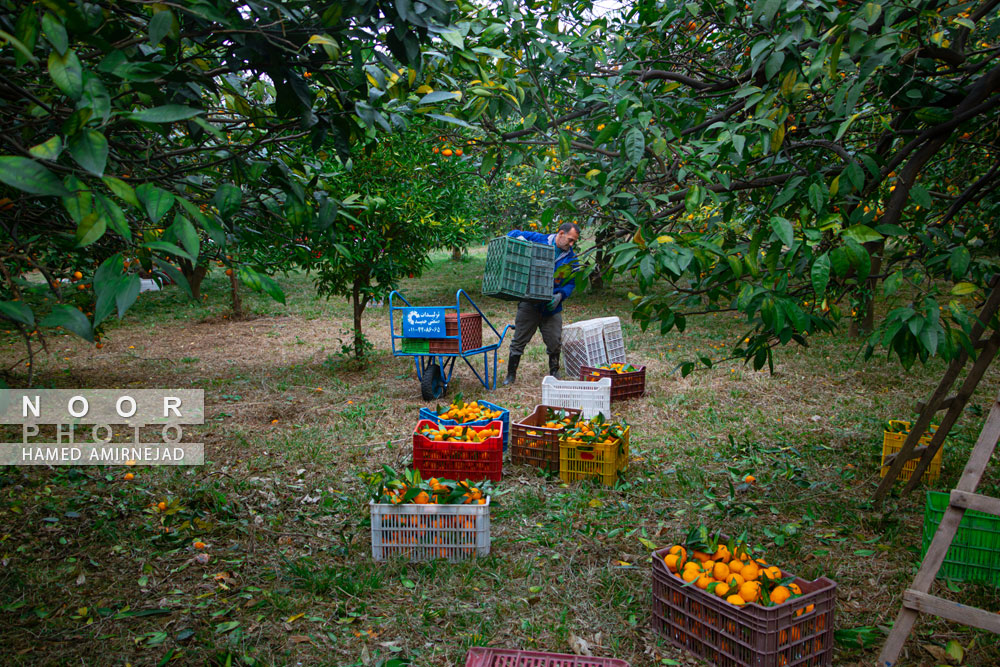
x,y
551,305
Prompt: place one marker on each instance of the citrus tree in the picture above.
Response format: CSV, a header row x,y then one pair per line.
x,y
398,201
164,134
789,161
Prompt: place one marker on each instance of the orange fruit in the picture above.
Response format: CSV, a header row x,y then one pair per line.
x,y
720,571
700,555
780,595
749,479
735,580
672,562
436,149
735,565
458,151
793,587
773,572
690,574
721,589
750,591
229,272
750,571
77,275
162,506
199,545
703,581
446,152
129,477
736,600
722,554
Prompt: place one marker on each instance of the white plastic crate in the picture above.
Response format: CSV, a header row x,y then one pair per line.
x,y
427,532
590,398
583,345
614,341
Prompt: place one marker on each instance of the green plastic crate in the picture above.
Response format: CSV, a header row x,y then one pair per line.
x,y
508,268
416,345
541,280
974,554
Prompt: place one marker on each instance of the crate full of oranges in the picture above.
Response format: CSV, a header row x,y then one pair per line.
x,y
593,448
627,381
459,452
535,439
423,520
469,413
713,598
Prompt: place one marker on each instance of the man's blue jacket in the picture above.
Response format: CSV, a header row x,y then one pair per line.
x,y
564,283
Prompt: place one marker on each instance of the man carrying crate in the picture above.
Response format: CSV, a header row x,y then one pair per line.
x,y
545,316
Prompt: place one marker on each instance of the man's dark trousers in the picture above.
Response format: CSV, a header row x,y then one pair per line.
x,y
531,317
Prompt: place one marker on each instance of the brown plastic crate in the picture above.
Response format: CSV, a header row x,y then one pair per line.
x,y
623,385
752,635
472,334
481,656
534,445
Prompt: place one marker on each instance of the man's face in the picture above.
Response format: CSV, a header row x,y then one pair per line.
x,y
566,240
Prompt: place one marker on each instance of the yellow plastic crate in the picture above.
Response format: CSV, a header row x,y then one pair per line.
x,y
577,461
893,442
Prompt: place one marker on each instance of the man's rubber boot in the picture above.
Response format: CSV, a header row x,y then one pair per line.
x,y
554,366
511,370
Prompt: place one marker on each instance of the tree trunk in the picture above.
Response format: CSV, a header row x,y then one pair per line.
x,y
456,254
234,290
194,275
600,260
360,301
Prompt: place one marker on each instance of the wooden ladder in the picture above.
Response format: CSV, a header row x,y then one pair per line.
x,y
955,404
917,599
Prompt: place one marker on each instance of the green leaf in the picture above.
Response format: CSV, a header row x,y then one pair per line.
x,y
169,248
48,150
67,73
159,26
222,628
156,200
817,197
55,32
694,197
439,96
783,230
961,289
862,234
820,274
260,282
114,214
635,145
27,36
127,293
17,311
959,262
175,274
188,236
91,228
228,198
168,113
70,319
122,189
25,174
90,150
921,196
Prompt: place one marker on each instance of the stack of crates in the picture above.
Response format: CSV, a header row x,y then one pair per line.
x,y
518,270
974,554
593,342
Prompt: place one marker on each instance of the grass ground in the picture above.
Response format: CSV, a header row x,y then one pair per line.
x,y
88,575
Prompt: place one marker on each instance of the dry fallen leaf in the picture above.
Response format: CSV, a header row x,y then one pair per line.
x,y
579,646
939,653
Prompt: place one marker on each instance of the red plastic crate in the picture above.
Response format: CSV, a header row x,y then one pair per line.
x,y
532,444
474,461
472,334
623,385
752,635
479,656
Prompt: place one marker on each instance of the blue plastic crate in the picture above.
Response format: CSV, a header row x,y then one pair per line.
x,y
427,413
